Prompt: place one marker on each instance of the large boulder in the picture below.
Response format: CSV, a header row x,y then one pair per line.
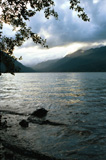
x,y
23,123
40,113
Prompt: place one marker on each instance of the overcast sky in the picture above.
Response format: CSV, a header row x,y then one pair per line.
x,y
67,34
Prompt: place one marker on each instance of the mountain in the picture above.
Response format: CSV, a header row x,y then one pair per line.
x,y
92,60
6,63
23,68
43,66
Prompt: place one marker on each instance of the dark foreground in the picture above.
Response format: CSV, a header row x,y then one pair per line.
x,y
44,139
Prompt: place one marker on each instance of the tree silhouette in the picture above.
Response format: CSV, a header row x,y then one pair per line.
x,y
16,13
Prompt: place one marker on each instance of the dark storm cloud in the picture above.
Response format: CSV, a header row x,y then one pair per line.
x,y
69,28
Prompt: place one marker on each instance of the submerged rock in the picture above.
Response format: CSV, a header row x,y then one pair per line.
x,y
40,113
44,122
0,118
51,123
9,155
3,125
23,123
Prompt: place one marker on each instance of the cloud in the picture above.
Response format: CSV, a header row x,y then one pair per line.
x,y
66,31
35,54
95,1
69,28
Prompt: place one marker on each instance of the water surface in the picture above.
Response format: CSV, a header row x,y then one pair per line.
x,y
77,100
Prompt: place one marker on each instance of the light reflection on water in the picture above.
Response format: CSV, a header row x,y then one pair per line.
x,y
48,89
76,99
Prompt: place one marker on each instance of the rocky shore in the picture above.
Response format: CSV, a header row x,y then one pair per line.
x,y
37,136
14,143
7,152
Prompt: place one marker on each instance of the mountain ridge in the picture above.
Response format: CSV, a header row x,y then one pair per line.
x,y
16,67
91,60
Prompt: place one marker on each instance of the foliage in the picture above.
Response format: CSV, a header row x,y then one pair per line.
x,y
17,13
9,62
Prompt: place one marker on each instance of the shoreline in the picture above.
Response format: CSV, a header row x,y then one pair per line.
x,y
12,146
49,140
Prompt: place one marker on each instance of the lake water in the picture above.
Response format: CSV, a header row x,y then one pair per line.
x,y
76,100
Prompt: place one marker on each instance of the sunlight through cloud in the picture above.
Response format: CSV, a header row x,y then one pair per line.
x,y
95,1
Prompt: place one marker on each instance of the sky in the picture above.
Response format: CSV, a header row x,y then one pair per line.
x,y
65,35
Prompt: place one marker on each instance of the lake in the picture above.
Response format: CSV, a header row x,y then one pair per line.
x,y
75,101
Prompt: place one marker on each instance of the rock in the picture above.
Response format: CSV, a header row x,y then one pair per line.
x,y
85,133
3,125
47,122
40,113
23,123
9,155
0,118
